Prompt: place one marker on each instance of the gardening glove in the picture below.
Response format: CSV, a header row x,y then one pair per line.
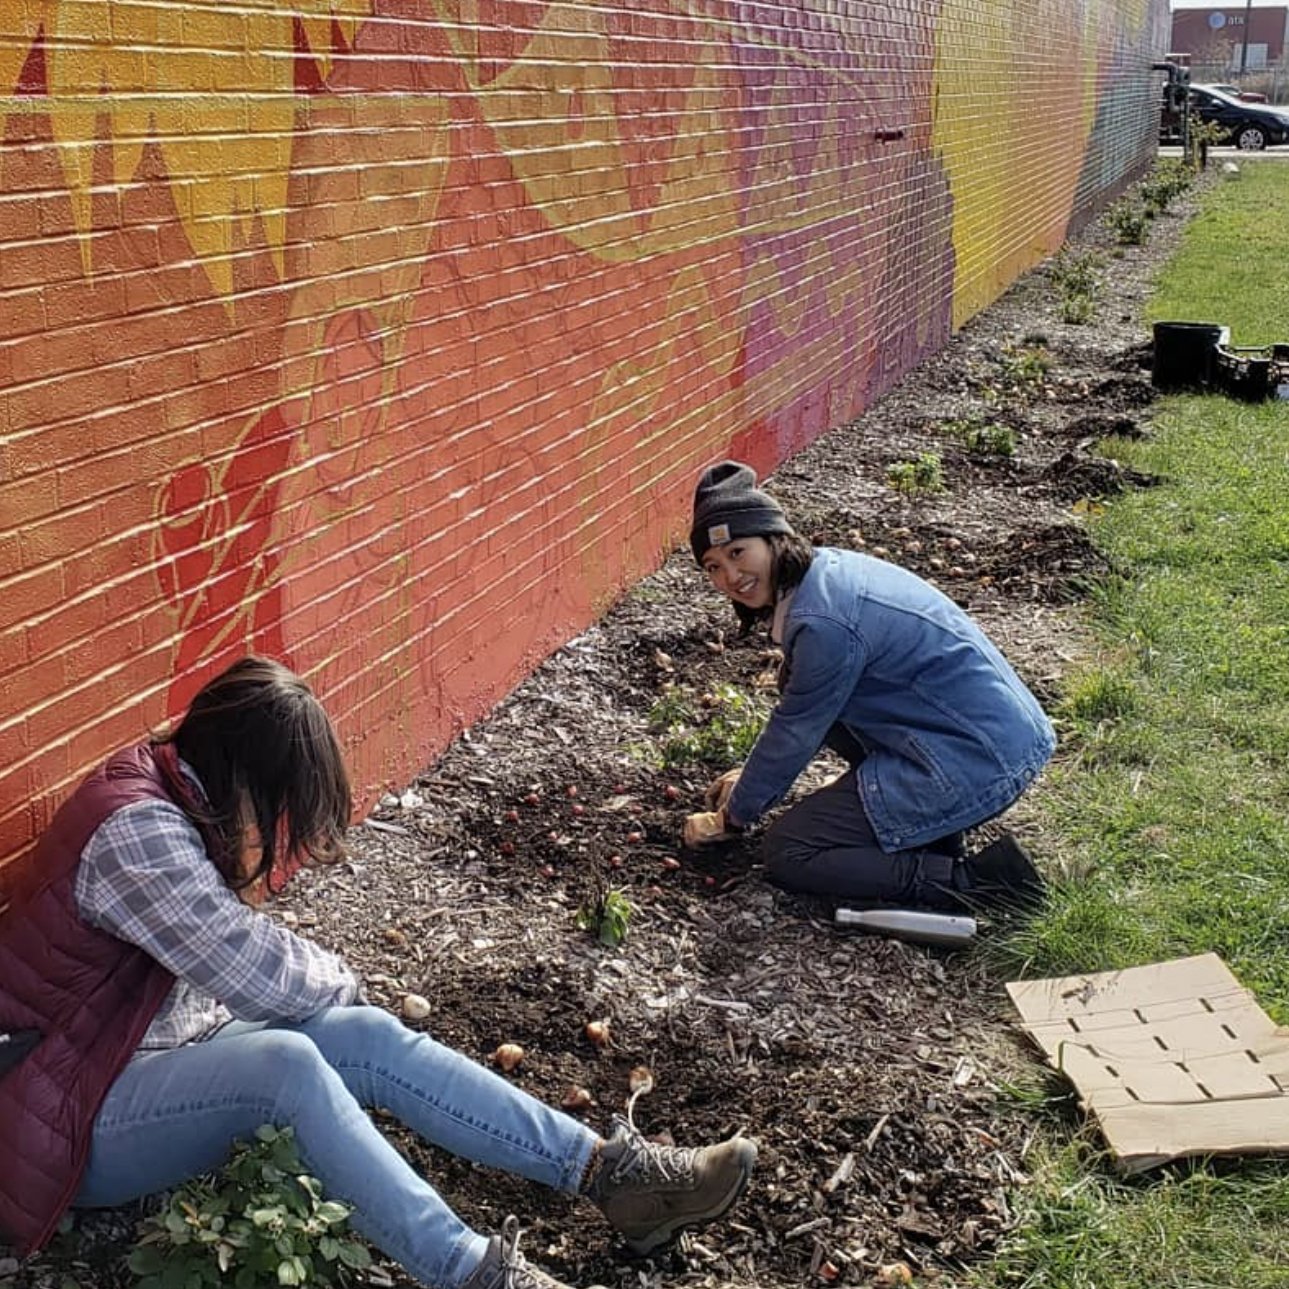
x,y
704,828
718,791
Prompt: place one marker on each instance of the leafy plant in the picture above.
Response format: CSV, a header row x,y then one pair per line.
x,y
1025,365
1203,135
261,1221
719,729
924,474
986,438
1168,180
1077,276
608,915
1128,221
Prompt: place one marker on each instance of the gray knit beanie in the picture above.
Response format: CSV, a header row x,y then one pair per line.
x,y
728,504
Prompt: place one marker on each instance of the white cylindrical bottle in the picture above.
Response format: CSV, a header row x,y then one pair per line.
x,y
911,924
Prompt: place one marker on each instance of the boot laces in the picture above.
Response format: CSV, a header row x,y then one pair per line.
x,y
516,1271
648,1162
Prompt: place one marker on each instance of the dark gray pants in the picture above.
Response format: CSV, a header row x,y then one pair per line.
x,y
825,846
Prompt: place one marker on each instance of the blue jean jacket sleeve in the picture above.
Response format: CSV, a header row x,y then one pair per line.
x,y
824,659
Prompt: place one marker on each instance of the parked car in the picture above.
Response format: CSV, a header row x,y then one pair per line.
x,y
1250,126
1245,96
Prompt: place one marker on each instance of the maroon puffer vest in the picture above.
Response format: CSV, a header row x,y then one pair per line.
x,y
91,995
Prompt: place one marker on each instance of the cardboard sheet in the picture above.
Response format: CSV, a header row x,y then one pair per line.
x,y
1172,1059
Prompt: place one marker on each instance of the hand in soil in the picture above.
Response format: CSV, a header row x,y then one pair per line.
x,y
704,828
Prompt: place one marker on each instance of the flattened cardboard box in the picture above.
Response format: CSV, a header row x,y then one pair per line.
x,y
1173,1059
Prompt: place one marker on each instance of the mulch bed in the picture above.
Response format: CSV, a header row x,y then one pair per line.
x,y
868,1070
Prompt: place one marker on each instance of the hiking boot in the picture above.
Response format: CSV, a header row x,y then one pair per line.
x,y
504,1267
648,1192
1003,876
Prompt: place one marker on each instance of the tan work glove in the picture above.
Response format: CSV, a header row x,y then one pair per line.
x,y
718,791
704,828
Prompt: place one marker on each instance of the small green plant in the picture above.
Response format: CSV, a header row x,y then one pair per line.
x,y
261,1221
719,728
1129,221
1025,366
983,437
608,915
1168,180
923,474
1077,276
1078,310
1203,135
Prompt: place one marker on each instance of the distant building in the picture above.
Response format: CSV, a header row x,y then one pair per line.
x,y
1216,37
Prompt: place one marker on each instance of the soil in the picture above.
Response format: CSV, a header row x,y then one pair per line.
x,y
868,1070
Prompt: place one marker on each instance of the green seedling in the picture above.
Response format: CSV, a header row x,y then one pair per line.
x,y
608,916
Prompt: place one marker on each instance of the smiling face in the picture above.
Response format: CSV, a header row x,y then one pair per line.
x,y
743,570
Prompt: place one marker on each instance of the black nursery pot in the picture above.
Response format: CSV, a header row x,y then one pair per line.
x,y
1184,354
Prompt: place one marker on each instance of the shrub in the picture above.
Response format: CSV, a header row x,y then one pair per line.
x,y
925,474
1078,279
261,1221
1128,222
1167,181
718,730
990,439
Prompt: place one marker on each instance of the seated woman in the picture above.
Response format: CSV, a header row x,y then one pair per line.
x,y
939,731
158,1016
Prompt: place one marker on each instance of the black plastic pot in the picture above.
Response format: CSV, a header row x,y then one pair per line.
x,y
1184,353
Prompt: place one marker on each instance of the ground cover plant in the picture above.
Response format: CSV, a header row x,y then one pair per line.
x,y
263,1220
906,1136
1171,801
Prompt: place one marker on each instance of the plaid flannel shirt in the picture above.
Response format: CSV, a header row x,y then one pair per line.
x,y
145,878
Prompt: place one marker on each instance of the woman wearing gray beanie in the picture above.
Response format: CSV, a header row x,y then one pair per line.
x,y
939,731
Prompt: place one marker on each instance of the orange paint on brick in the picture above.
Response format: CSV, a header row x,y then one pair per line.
x,y
398,365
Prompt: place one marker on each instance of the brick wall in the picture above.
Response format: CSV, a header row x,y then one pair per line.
x,y
387,338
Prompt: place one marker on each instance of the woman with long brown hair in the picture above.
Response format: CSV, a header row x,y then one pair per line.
x,y
153,1015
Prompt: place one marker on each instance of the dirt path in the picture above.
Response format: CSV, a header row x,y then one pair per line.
x,y
865,1068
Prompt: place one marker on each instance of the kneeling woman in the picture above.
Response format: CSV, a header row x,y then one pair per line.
x,y
152,1016
939,731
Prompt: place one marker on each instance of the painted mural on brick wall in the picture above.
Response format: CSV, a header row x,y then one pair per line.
x,y
387,337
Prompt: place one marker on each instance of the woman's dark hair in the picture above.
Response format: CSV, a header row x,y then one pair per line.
x,y
261,745
790,557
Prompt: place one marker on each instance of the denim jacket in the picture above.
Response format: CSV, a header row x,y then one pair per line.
x,y
950,734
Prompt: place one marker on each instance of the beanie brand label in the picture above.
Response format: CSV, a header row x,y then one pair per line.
x,y
718,534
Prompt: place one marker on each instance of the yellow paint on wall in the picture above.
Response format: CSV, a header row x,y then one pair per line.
x,y
987,141
19,24
210,84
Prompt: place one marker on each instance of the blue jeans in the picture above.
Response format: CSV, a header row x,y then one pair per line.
x,y
173,1114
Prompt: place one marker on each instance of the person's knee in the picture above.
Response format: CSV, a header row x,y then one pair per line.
x,y
367,1024
287,1058
784,856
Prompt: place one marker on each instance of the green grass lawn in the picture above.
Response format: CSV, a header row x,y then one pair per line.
x,y
1169,808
